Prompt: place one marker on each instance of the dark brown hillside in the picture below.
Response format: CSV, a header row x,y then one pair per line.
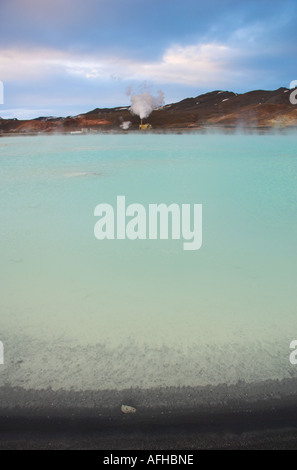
x,y
224,109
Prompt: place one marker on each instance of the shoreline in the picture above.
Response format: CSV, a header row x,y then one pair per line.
x,y
179,130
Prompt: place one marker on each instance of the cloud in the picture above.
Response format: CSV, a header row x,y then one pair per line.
x,y
24,113
17,64
193,65
196,64
72,55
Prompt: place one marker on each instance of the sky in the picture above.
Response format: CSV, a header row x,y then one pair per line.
x,y
65,57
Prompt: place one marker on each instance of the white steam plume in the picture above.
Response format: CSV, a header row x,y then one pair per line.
x,y
125,125
142,105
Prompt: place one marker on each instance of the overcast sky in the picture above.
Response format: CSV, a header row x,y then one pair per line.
x,y
64,57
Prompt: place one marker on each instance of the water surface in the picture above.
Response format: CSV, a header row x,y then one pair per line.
x,y
79,313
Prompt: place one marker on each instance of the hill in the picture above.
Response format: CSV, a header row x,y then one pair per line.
x,y
216,109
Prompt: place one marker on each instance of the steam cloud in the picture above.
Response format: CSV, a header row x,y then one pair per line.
x,y
125,125
143,104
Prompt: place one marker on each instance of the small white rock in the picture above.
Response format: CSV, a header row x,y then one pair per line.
x,y
127,409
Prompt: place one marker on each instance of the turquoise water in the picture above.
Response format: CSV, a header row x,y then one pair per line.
x,y
79,313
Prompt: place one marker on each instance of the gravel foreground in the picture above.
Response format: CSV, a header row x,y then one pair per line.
x,y
241,416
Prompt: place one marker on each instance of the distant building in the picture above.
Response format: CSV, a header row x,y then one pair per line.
x,y
144,127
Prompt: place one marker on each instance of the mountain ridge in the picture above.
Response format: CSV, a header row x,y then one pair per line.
x,y
215,109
